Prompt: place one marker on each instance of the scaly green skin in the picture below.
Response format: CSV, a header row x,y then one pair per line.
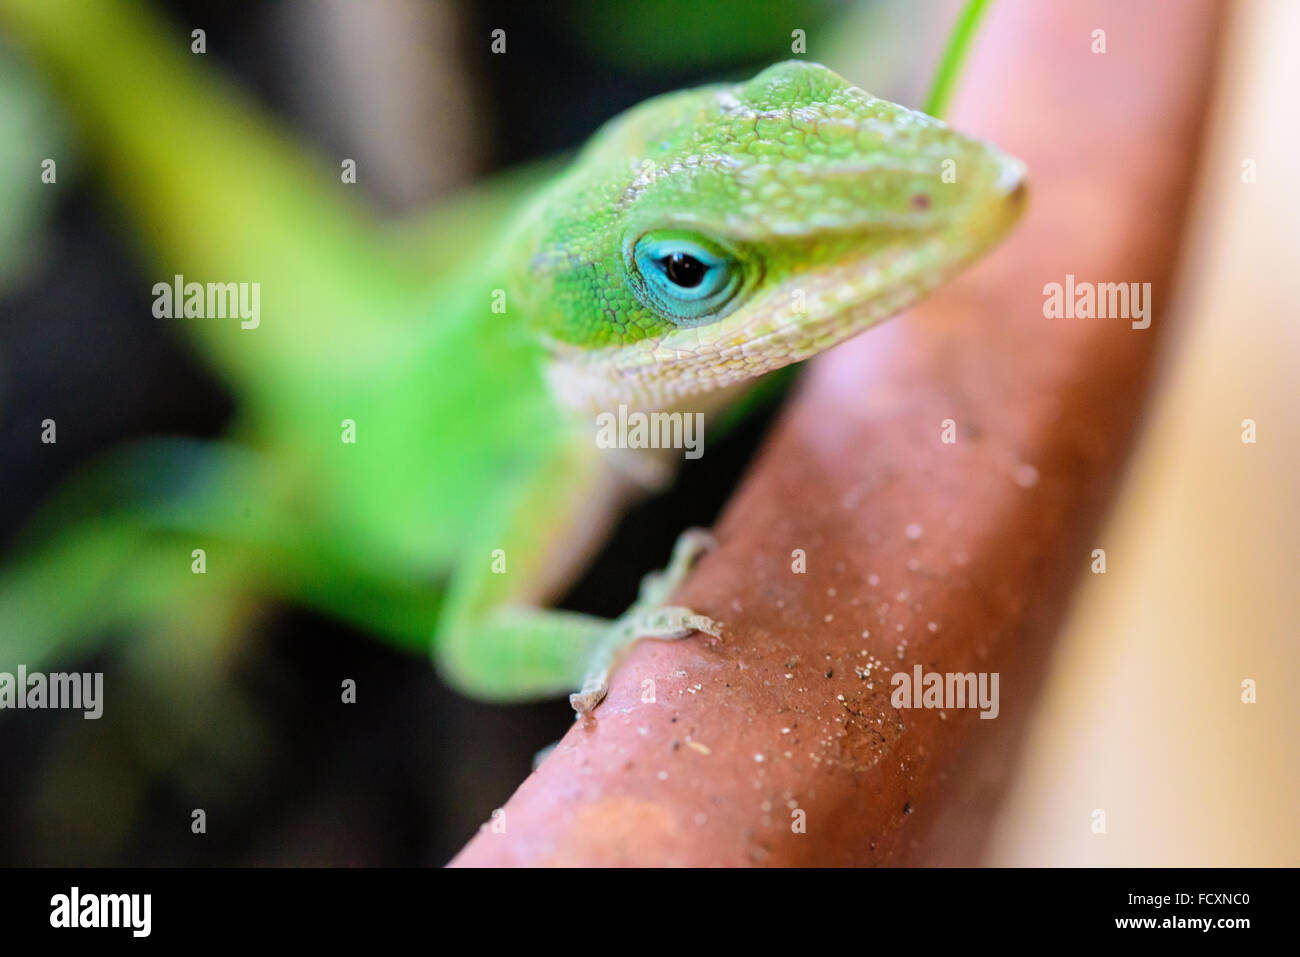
x,y
822,189
835,208
475,427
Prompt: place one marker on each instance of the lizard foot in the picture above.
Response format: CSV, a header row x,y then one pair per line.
x,y
665,623
647,618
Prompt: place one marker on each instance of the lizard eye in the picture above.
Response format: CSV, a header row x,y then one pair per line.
x,y
683,277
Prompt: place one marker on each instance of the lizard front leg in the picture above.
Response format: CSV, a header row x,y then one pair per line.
x,y
648,618
494,640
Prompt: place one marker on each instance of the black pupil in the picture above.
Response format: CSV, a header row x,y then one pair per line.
x,y
684,270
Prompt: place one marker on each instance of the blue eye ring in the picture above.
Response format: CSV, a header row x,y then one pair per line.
x,y
684,277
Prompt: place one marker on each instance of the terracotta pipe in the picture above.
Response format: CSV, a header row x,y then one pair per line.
x,y
780,745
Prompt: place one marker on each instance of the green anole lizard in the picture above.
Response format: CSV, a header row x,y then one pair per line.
x,y
699,241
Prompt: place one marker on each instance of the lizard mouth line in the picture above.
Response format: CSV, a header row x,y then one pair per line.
x,y
769,332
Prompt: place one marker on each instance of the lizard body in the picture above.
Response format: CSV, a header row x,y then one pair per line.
x,y
699,241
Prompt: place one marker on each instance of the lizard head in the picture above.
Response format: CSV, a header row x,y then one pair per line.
x,y
707,237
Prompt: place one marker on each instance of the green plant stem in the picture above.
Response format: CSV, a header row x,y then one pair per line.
x,y
954,54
